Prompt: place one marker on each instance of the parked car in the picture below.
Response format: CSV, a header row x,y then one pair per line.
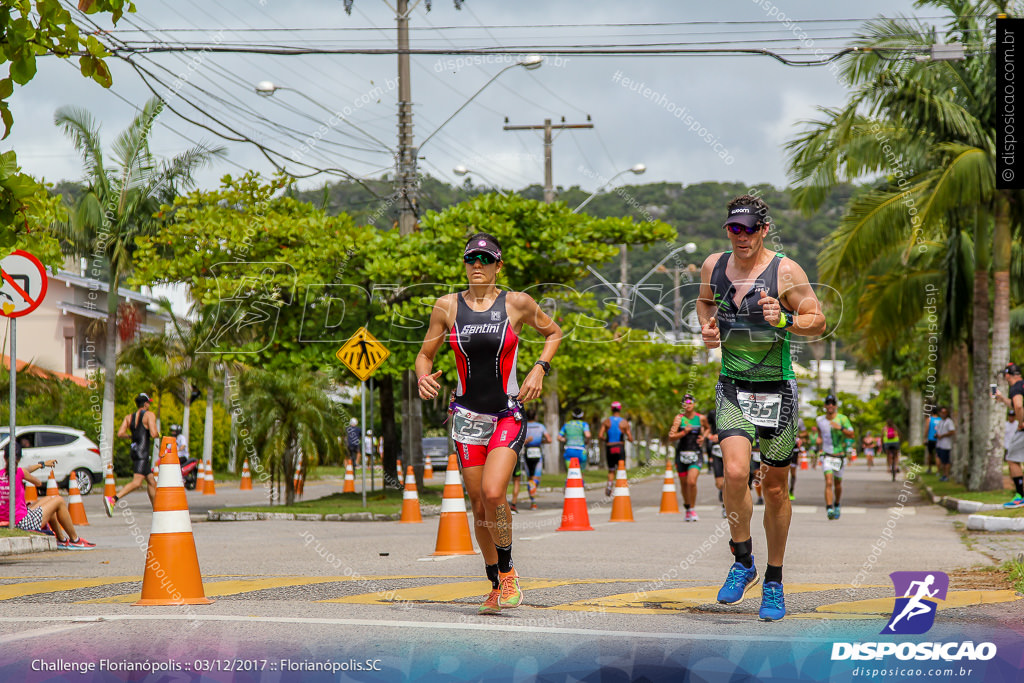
x,y
72,450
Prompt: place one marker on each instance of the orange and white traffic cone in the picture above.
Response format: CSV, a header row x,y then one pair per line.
x,y
398,468
200,477
453,536
410,500
109,483
428,469
51,484
297,480
211,487
172,566
669,504
574,509
31,495
622,508
350,479
76,508
803,460
246,484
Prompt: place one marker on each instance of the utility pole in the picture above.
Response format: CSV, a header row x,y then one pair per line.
x,y
552,459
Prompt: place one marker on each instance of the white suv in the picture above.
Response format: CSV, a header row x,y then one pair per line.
x,y
72,450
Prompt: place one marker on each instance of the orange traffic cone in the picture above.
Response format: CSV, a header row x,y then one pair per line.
x,y
210,488
109,483
246,484
622,508
172,567
297,479
200,477
350,479
31,495
428,469
669,504
803,460
574,509
453,536
51,485
410,500
398,468
75,506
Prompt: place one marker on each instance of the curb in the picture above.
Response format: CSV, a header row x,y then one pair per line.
x,y
19,545
219,516
988,523
960,505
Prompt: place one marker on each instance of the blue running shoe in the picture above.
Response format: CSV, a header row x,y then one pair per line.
x,y
835,511
738,582
830,513
1017,502
773,602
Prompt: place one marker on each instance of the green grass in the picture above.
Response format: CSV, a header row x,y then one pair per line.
x,y
1017,512
378,502
8,533
1015,568
954,490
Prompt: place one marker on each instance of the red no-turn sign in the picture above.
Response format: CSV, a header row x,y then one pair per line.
x,y
22,284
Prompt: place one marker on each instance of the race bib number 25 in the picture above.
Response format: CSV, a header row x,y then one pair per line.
x,y
472,428
763,410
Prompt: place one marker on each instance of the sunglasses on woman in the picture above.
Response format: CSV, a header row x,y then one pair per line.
x,y
736,228
482,258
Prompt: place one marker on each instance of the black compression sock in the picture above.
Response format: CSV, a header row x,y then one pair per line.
x,y
720,497
1018,483
742,552
687,506
492,574
773,573
504,558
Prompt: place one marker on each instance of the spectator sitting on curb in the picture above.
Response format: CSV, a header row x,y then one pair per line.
x,y
51,510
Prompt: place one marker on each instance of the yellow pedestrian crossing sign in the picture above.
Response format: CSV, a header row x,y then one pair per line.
x,y
363,354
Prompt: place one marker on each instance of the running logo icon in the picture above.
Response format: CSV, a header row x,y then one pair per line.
x,y
917,594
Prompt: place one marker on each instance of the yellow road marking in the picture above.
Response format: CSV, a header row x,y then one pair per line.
x,y
671,599
448,592
17,590
221,588
883,606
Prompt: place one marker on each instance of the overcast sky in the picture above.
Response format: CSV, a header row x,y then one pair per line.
x,y
744,108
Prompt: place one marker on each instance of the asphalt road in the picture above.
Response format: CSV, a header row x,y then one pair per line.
x,y
630,599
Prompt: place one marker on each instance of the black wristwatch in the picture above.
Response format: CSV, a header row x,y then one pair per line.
x,y
546,366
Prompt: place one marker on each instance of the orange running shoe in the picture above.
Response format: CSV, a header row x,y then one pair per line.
x,y
511,595
490,605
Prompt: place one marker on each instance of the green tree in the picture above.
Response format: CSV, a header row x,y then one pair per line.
x,y
120,204
30,29
293,420
930,127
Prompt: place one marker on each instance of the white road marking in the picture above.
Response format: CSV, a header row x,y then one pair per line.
x,y
42,632
432,625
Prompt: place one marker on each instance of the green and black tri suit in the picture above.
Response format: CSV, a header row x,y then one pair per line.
x,y
757,367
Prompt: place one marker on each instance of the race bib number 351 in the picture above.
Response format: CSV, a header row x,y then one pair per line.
x,y
472,428
763,410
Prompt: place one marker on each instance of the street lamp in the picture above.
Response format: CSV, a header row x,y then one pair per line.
x,y
461,170
268,88
636,169
529,63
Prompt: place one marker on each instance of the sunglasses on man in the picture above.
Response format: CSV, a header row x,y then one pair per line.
x,y
482,258
736,228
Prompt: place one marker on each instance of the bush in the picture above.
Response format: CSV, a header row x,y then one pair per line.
x,y
914,453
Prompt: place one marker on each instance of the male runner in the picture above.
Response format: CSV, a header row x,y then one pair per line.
x,y
715,456
614,429
140,427
832,428
1014,431
688,429
750,300
575,434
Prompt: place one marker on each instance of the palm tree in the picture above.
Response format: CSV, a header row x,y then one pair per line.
x,y
930,127
119,204
293,419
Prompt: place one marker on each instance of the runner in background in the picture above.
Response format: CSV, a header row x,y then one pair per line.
x,y
891,444
614,430
1014,439
833,429
930,457
574,434
688,430
536,436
